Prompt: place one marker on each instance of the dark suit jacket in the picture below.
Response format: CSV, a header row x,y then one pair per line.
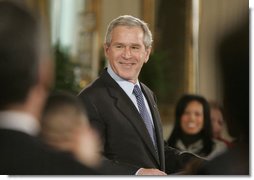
x,y
125,137
22,154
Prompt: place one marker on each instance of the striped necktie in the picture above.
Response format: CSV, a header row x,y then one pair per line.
x,y
144,114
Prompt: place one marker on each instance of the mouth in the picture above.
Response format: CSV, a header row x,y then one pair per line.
x,y
128,65
191,125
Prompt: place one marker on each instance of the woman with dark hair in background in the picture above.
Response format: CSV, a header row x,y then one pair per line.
x,y
193,131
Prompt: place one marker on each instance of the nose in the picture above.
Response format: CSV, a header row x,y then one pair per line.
x,y
192,117
126,52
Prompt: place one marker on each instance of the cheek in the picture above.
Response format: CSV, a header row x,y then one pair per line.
x,y
140,57
185,118
183,121
111,55
200,120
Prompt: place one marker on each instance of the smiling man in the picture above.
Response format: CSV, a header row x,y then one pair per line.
x,y
126,52
124,110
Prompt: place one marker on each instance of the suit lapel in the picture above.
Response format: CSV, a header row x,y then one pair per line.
x,y
128,109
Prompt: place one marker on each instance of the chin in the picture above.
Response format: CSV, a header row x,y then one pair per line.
x,y
125,76
193,132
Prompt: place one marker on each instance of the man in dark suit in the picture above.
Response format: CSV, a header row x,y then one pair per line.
x,y
124,110
25,76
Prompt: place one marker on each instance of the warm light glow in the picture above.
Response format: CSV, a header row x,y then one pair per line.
x,y
195,33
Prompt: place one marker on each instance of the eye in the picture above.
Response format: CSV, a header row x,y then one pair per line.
x,y
119,46
187,113
198,113
135,47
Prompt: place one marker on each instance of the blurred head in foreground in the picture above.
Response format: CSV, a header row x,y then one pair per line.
x,y
65,127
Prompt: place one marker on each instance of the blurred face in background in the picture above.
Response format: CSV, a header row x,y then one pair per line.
x,y
126,52
192,120
217,122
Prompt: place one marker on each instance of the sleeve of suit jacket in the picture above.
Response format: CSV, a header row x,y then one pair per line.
x,y
176,161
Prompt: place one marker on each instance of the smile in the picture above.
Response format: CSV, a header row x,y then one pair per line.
x,y
127,64
191,125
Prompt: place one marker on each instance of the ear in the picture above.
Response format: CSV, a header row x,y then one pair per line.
x,y
39,92
46,73
106,49
147,54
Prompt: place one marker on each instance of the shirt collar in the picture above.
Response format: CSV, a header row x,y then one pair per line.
x,y
19,121
124,84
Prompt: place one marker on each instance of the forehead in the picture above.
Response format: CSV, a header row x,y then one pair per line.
x,y
127,33
216,112
194,104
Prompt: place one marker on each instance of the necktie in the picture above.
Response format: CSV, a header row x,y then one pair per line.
x,y
144,114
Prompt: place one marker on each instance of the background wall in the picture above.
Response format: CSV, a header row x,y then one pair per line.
x,y
111,9
217,17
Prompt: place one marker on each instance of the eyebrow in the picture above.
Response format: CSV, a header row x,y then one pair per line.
x,y
132,44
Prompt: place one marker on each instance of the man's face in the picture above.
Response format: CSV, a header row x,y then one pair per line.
x,y
126,52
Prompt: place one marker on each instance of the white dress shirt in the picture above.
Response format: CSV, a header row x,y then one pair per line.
x,y
19,121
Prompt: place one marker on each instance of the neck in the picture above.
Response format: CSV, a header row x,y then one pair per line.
x,y
33,104
116,77
133,81
188,139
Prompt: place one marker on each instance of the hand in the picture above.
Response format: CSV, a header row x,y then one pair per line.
x,y
150,172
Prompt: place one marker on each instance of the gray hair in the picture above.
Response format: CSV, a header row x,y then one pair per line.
x,y
129,21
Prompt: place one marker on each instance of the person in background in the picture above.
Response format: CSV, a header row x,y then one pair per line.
x,y
234,57
26,75
124,110
218,123
65,127
193,130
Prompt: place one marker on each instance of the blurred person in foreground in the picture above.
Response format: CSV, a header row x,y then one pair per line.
x,y
193,128
124,110
65,127
26,74
234,58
